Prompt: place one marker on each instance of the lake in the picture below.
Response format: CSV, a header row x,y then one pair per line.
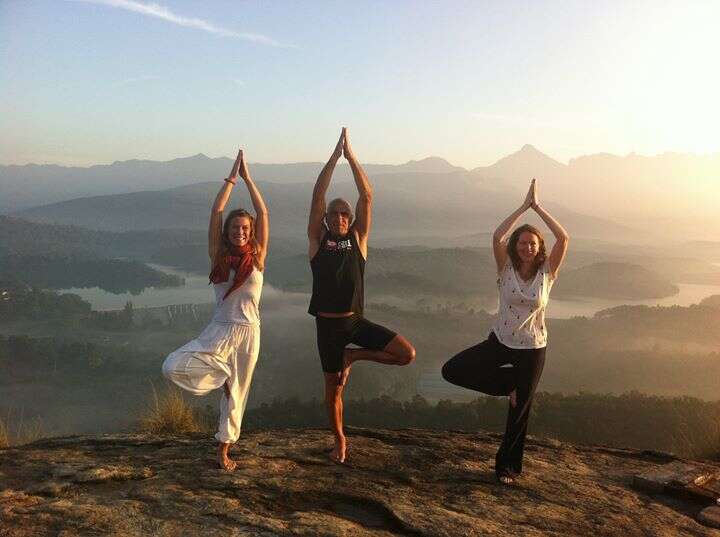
x,y
197,291
689,294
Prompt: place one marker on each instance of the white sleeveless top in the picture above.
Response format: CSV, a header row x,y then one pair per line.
x,y
243,304
520,322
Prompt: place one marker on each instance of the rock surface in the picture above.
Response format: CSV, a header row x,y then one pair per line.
x,y
710,516
407,482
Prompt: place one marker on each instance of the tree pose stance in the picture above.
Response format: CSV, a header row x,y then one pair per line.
x,y
509,362
338,247
224,355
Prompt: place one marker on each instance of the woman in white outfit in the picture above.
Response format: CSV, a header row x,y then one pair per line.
x,y
224,355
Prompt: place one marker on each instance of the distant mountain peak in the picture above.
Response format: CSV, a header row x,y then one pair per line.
x,y
429,164
429,160
529,150
528,154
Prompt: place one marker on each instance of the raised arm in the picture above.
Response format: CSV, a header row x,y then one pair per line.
x,y
317,206
215,228
363,209
501,233
559,249
262,221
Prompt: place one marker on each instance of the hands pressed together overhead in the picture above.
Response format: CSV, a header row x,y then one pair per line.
x,y
343,147
531,199
239,168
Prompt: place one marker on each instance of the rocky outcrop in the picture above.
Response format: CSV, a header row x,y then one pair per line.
x,y
406,482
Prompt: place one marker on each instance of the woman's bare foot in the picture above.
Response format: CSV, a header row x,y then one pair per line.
x,y
513,398
223,460
507,479
339,452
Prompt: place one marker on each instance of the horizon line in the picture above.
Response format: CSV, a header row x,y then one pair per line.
x,y
523,147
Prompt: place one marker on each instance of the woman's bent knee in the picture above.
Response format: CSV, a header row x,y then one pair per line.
x,y
168,367
447,372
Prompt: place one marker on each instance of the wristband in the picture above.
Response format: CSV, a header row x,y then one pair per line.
x,y
228,180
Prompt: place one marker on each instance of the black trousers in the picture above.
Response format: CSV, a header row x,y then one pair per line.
x,y
480,368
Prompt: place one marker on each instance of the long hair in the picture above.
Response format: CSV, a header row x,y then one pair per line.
x,y
512,247
225,246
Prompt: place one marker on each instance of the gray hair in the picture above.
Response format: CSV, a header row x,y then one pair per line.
x,y
345,205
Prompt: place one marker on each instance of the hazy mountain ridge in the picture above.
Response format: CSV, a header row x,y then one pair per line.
x,y
33,185
635,190
630,189
526,163
440,204
19,237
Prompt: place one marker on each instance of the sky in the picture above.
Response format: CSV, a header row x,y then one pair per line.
x,y
87,82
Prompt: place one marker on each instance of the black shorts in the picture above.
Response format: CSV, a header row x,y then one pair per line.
x,y
334,334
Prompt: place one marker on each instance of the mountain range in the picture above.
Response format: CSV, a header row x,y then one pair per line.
x,y
32,185
406,205
671,193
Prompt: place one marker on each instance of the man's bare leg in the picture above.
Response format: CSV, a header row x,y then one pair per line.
x,y
223,459
334,404
398,352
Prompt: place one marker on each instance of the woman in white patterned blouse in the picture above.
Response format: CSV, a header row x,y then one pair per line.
x,y
509,362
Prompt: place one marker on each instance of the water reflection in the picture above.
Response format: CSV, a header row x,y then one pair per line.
x,y
197,291
689,294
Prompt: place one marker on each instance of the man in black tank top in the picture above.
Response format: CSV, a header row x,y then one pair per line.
x,y
338,250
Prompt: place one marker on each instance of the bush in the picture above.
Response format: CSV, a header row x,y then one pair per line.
x,y
22,433
171,414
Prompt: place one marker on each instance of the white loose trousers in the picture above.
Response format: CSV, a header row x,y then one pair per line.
x,y
225,353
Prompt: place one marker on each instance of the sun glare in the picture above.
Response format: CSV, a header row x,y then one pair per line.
x,y
672,80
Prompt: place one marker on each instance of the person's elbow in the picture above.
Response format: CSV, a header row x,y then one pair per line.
x,y
367,195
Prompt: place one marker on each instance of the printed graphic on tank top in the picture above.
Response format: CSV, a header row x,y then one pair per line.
x,y
338,245
520,321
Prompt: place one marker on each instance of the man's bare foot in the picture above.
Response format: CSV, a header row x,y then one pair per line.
x,y
338,453
223,460
347,364
513,398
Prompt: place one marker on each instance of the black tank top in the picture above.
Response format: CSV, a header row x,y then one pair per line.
x,y
338,270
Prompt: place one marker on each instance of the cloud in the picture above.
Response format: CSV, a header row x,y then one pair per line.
x,y
133,80
161,12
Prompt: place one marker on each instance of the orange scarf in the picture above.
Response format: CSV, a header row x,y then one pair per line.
x,y
241,260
